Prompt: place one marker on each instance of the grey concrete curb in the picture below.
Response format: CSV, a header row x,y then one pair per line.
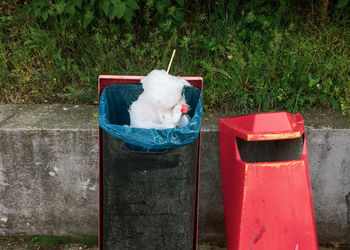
x,y
49,169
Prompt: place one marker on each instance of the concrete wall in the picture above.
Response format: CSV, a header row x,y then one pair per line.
x,y
49,169
48,182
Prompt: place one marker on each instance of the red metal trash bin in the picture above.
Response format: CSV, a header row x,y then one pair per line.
x,y
266,183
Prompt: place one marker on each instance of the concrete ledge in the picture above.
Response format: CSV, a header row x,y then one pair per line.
x,y
49,169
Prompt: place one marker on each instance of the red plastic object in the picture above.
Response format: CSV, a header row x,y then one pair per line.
x,y
184,109
267,205
108,80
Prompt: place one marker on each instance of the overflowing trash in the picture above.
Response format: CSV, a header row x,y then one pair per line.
x,y
162,103
114,118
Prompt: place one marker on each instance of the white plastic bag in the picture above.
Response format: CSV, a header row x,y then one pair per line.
x,y
159,105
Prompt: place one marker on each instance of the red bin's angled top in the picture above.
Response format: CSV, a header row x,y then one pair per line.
x,y
265,126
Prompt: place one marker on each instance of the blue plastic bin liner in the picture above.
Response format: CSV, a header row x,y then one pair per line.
x,y
115,102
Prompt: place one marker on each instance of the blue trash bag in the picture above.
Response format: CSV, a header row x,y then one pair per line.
x,y
115,102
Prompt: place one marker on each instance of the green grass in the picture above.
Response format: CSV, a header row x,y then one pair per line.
x,y
246,65
90,241
6,239
49,241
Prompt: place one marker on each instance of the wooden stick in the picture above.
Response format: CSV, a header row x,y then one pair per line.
x,y
171,61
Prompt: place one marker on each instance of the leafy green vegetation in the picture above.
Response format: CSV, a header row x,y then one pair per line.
x,y
90,241
49,241
254,55
83,11
6,239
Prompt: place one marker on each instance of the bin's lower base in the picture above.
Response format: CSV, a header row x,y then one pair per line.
x,y
149,199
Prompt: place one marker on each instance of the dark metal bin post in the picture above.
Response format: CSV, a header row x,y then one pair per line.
x,y
147,200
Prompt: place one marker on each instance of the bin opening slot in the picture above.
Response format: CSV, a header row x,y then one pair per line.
x,y
271,150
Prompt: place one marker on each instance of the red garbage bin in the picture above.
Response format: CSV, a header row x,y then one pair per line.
x,y
266,183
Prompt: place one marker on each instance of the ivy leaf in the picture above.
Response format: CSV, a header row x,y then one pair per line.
x,y
52,12
128,14
115,2
181,2
132,4
78,3
45,15
60,6
37,12
87,18
112,12
261,19
342,3
231,6
179,17
120,9
250,17
283,7
160,6
105,7
243,34
70,9
117,9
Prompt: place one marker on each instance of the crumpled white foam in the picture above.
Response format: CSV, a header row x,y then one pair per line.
x,y
159,105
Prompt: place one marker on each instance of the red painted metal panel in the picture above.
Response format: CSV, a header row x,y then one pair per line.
x,y
108,80
267,205
265,126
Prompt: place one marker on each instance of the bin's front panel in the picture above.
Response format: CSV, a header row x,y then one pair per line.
x,y
277,208
148,198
